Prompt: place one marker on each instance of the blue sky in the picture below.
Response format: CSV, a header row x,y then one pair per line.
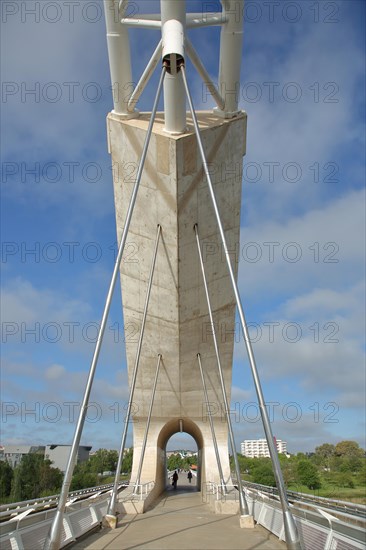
x,y
301,255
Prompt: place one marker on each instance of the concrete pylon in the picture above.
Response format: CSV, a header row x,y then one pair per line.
x,y
173,193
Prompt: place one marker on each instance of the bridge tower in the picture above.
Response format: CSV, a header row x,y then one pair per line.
x,y
177,191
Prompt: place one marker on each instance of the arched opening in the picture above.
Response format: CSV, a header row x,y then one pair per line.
x,y
181,456
174,426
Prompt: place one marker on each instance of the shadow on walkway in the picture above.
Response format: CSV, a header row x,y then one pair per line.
x,y
180,520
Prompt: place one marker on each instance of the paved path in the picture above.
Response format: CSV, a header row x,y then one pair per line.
x,y
180,521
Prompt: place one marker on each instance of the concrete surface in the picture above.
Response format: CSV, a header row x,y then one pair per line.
x,y
174,193
180,520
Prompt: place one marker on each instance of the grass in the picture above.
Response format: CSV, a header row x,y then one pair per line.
x,y
330,490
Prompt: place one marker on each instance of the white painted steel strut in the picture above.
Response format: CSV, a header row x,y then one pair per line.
x,y
209,414
291,533
112,504
143,449
53,539
244,510
173,22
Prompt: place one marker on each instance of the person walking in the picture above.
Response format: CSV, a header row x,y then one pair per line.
x,y
189,476
175,479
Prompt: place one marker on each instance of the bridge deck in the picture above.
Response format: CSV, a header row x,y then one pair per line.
x,y
181,520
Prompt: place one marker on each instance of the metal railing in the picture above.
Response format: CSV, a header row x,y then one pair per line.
x,y
223,491
317,528
143,489
16,508
27,531
84,512
352,508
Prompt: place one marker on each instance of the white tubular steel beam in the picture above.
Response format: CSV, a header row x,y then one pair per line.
x,y
112,503
147,16
195,20
208,409
173,21
194,57
119,55
53,539
142,23
145,77
231,43
244,510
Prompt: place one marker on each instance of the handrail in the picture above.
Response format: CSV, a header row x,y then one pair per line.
x,y
143,488
15,508
253,493
340,504
221,490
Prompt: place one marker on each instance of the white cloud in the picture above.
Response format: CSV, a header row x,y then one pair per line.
x,y
315,130
323,247
55,372
22,302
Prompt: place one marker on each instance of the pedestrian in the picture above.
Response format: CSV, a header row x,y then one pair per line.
x,y
175,479
189,476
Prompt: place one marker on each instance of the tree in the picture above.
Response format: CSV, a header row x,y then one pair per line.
x,y
26,477
262,472
344,479
83,477
127,461
83,480
348,449
50,479
244,463
349,456
103,461
6,476
174,462
16,485
361,475
324,453
307,474
288,468
33,477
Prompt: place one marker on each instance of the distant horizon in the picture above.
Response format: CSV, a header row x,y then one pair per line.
x,y
168,449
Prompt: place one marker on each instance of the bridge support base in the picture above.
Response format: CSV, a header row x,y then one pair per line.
x,y
246,522
110,521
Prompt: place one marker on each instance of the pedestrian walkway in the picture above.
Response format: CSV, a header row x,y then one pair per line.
x,y
180,520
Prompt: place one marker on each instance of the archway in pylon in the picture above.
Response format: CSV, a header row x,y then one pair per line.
x,y
172,427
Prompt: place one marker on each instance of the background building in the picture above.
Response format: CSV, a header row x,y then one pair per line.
x,y
254,448
13,454
59,455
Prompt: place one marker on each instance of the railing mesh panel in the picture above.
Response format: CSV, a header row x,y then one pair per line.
x,y
81,521
312,537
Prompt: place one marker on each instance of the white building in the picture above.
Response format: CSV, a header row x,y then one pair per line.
x,y
254,448
13,454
